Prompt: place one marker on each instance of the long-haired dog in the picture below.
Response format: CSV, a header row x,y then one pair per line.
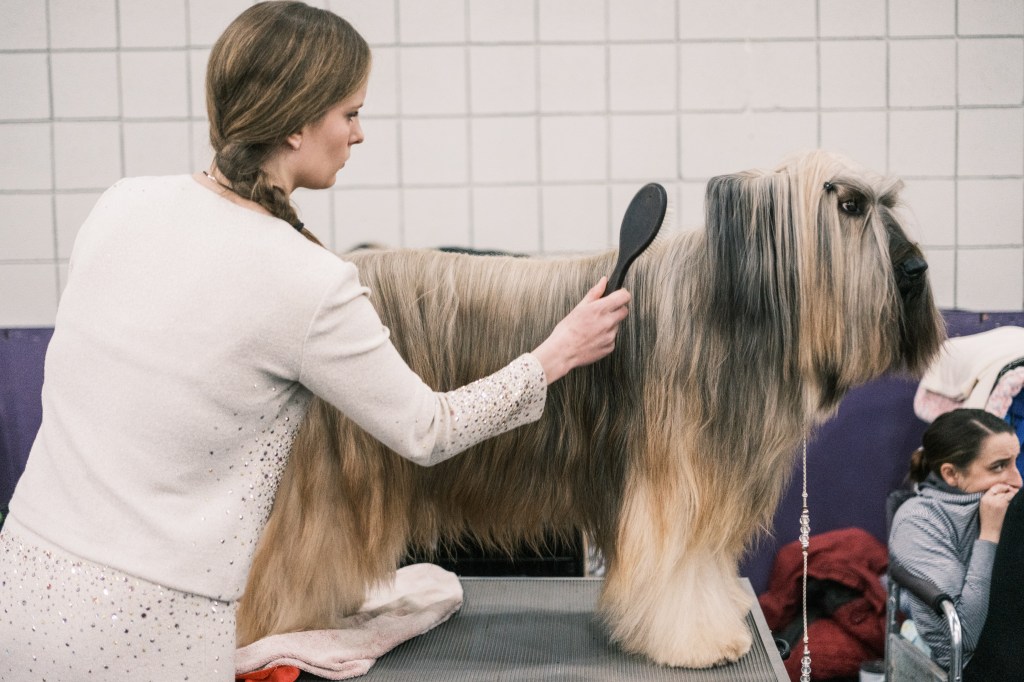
x,y
671,454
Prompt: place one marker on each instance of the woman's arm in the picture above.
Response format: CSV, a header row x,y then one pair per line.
x,y
349,361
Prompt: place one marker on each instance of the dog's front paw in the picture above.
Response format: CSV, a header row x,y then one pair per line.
x,y
696,619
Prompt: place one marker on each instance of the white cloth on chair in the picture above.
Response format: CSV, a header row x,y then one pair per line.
x,y
422,597
965,372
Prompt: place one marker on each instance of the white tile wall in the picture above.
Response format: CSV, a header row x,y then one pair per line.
x,y
742,19
504,149
28,294
990,213
648,20
991,141
83,23
575,218
642,77
152,24
437,21
70,211
981,281
574,148
838,21
436,217
85,84
783,75
17,211
314,208
503,79
571,20
197,59
990,17
434,151
942,275
154,84
573,78
506,219
501,21
853,74
24,86
433,80
156,148
86,155
922,17
24,25
207,19
860,135
922,73
931,211
991,71
644,147
528,125
922,142
28,157
381,100
374,19
366,215
375,162
714,76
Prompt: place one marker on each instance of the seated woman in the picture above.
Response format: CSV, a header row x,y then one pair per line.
x,y
948,532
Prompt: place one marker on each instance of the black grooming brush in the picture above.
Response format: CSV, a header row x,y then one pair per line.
x,y
640,226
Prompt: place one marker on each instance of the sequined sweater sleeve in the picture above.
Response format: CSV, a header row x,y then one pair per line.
x,y
349,360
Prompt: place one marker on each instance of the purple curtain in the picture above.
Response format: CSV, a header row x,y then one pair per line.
x,y
21,379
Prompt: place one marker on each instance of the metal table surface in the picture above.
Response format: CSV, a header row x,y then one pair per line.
x,y
532,629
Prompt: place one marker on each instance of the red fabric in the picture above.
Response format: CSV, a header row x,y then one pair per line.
x,y
281,673
856,630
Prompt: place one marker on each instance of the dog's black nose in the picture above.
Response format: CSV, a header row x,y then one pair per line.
x,y
913,267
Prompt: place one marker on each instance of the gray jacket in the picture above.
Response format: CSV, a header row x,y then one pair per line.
x,y
935,536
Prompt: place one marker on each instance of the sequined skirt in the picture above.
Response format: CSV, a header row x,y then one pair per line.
x,y
62,618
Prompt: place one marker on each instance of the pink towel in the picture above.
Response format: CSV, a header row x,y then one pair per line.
x,y
422,597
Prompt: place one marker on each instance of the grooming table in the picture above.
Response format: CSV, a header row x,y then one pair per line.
x,y
533,629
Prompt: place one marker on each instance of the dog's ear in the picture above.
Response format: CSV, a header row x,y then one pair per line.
x,y
752,252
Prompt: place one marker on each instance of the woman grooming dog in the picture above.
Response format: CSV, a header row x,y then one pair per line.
x,y
198,320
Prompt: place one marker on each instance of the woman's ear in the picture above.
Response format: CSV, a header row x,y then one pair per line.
x,y
294,141
950,474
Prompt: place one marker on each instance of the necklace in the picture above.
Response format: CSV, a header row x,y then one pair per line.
x,y
217,182
298,225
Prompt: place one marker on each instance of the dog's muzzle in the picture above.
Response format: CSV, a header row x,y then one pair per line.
x,y
910,274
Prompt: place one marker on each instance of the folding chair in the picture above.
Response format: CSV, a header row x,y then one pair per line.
x,y
904,661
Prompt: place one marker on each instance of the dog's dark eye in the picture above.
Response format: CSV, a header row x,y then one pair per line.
x,y
850,206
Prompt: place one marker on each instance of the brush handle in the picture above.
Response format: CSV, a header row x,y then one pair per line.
x,y
617,277
640,225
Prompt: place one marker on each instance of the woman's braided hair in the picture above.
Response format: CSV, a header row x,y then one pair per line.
x,y
278,67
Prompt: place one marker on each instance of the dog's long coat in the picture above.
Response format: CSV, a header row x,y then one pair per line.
x,y
671,454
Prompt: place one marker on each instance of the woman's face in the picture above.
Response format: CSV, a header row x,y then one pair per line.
x,y
996,463
325,145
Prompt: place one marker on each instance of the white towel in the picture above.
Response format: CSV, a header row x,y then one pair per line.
x,y
422,597
966,369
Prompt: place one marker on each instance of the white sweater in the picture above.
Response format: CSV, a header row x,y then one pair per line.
x,y
187,344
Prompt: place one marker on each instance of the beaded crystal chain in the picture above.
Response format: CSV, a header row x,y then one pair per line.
x,y
805,542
